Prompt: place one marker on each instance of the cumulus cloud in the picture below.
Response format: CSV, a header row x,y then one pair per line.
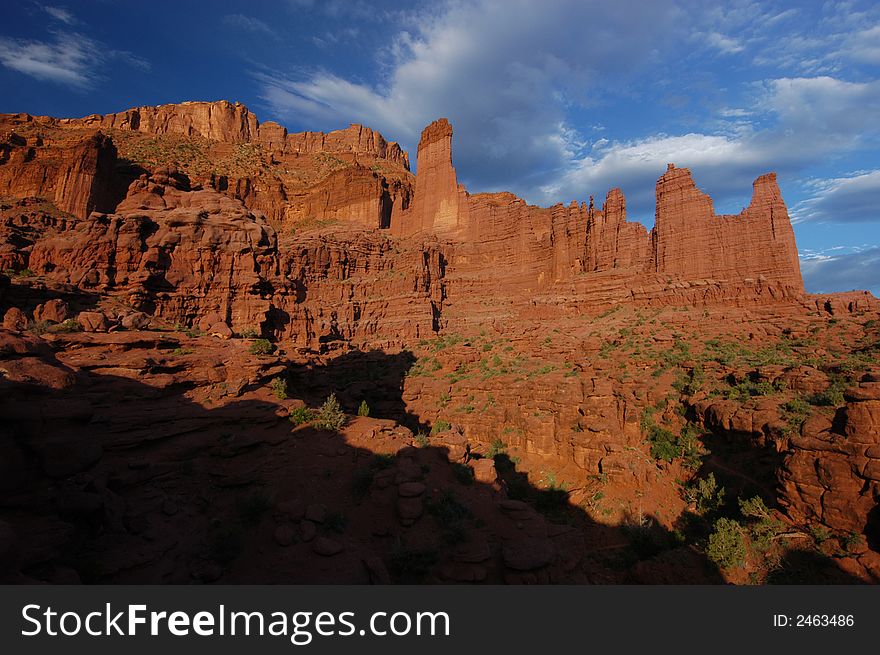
x,y
71,59
846,272
503,72
806,119
853,199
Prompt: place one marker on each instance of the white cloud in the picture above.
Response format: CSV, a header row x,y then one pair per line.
x,y
806,119
845,199
71,59
864,45
503,72
858,270
59,13
724,44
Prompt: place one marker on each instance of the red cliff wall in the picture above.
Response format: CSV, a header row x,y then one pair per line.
x,y
691,241
75,175
499,240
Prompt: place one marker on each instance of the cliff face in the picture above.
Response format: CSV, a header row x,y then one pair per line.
x,y
220,121
692,241
234,123
499,241
76,175
288,177
439,204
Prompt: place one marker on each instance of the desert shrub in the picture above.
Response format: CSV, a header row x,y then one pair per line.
x,y
820,534
705,494
382,461
364,409
300,415
279,388
664,443
249,333
261,347
422,439
497,447
762,527
39,327
66,327
689,383
794,412
440,426
448,510
727,544
330,416
833,395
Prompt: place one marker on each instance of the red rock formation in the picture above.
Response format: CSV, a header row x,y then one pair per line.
x,y
690,240
234,123
439,204
219,121
178,255
499,237
355,139
612,242
76,175
832,472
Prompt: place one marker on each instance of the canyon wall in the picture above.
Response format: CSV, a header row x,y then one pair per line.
x,y
499,241
690,240
234,123
76,175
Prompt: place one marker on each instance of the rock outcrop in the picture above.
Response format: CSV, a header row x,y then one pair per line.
x,y
832,473
234,123
76,176
439,204
690,240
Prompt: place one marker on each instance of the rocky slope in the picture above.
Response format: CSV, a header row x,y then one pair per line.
x,y
556,394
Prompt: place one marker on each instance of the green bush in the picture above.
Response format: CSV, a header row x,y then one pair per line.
x,y
66,327
39,327
261,347
727,544
795,411
330,416
705,494
279,388
249,333
300,415
440,426
422,439
364,409
762,527
497,447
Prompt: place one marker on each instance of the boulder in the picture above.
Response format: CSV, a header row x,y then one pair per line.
x,y
93,322
53,311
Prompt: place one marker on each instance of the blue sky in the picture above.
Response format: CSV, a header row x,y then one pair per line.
x,y
554,100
